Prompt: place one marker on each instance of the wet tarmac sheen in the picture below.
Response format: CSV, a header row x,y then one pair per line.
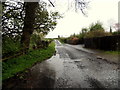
x,y
71,68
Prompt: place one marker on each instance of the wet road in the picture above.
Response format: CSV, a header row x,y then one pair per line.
x,y
73,68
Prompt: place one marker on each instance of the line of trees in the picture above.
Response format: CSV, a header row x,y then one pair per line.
x,y
95,30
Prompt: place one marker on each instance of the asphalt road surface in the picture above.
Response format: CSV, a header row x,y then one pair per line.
x,y
73,68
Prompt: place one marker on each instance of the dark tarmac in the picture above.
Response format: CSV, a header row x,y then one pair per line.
x,y
72,68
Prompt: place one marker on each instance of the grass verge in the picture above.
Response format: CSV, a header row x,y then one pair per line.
x,y
61,40
21,63
113,52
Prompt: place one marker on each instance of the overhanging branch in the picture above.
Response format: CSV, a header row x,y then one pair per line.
x,y
51,3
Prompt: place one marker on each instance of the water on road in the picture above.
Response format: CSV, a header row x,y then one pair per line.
x,y
73,68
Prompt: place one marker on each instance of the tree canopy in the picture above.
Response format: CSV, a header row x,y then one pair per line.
x,y
96,26
21,19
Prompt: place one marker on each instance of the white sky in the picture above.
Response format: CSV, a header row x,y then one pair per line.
x,y
105,11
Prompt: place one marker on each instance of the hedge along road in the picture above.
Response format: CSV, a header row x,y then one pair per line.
x,y
72,68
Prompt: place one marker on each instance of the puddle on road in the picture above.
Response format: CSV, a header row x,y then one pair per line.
x,y
58,73
62,72
42,75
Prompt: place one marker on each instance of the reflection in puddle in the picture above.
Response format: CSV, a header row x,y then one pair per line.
x,y
42,75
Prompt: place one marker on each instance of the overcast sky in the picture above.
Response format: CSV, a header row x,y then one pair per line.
x,y
105,11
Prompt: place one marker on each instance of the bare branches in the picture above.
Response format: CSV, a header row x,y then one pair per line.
x,y
51,3
82,5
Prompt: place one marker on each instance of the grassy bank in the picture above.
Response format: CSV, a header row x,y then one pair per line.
x,y
113,52
18,64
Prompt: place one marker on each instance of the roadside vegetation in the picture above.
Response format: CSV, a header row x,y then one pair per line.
x,y
113,52
24,27
13,66
62,40
95,30
96,37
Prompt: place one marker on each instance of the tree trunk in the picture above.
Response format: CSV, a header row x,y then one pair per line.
x,y
30,8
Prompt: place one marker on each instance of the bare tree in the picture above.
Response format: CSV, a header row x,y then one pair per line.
x,y
82,5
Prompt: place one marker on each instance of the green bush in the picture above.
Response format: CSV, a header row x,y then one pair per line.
x,y
10,46
35,40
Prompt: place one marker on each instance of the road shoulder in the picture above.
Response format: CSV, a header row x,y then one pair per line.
x,y
112,58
